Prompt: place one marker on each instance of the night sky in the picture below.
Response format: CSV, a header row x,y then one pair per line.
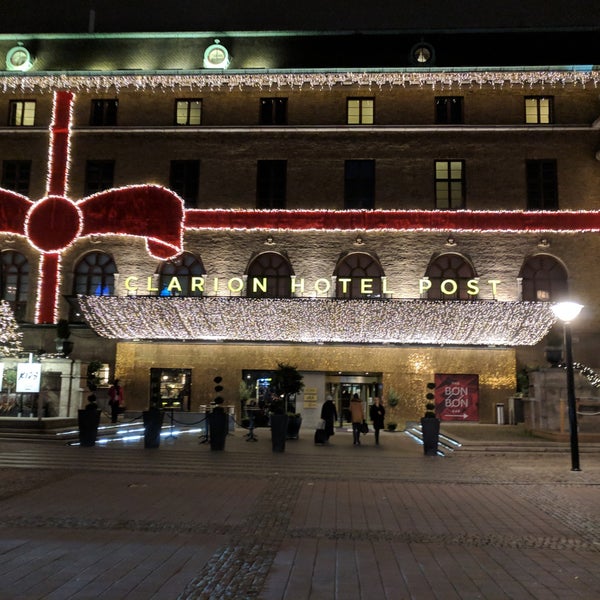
x,y
230,15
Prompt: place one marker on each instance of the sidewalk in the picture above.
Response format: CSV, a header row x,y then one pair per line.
x,y
316,522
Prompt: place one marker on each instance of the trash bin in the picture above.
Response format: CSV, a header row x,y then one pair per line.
x,y
500,414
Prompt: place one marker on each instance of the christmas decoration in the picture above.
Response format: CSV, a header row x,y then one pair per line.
x,y
318,320
11,338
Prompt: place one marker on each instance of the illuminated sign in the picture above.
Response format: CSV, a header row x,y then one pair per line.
x,y
298,285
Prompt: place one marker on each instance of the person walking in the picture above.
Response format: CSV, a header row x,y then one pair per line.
x,y
377,414
115,399
329,415
358,416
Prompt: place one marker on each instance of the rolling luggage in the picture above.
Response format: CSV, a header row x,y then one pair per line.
x,y
320,436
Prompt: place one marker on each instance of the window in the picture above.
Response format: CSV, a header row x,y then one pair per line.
x,y
188,112
539,109
358,276
15,282
359,184
542,184
104,112
16,175
94,275
184,180
273,111
543,279
449,109
269,276
271,183
99,176
184,269
449,184
449,274
360,111
21,113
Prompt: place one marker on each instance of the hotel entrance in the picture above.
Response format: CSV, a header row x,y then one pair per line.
x,y
343,386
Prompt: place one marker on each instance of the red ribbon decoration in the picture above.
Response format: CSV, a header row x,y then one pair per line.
x,y
53,223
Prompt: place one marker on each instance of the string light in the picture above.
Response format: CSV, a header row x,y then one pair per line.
x,y
322,80
312,320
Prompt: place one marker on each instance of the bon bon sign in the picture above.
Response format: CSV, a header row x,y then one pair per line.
x,y
457,397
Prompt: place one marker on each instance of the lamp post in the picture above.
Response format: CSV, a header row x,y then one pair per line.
x,y
567,312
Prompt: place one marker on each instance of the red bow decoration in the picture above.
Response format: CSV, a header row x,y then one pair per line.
x,y
53,223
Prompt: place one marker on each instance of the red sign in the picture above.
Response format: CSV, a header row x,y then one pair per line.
x,y
457,397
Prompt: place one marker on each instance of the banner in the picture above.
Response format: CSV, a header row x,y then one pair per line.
x,y
29,376
456,397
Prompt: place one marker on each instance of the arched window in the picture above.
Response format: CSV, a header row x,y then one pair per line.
x,y
180,276
94,275
358,276
543,279
449,274
15,282
269,276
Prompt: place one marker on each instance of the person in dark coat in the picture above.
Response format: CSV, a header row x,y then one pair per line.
x,y
377,414
329,415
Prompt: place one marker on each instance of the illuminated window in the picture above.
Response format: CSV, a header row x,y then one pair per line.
x,y
16,175
542,184
271,176
360,111
21,113
15,282
539,109
188,112
269,276
449,274
543,279
273,111
104,112
99,176
94,275
358,275
183,268
448,109
359,184
449,184
184,180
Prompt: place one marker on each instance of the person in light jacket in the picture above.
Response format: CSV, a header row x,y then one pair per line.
x,y
358,416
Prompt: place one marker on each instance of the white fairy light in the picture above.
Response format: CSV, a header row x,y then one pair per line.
x,y
310,320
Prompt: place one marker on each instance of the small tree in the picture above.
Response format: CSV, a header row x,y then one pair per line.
x,y
286,382
11,338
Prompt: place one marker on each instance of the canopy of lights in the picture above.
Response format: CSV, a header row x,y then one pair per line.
x,y
318,320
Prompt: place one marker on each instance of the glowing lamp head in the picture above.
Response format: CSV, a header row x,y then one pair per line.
x,y
566,311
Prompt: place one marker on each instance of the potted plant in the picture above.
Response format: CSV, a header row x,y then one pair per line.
x,y
153,421
88,418
63,333
393,398
553,351
286,382
430,425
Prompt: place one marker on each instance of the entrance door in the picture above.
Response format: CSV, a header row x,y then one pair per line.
x,y
171,388
343,386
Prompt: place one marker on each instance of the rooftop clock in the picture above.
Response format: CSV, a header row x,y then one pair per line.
x,y
18,58
216,56
422,55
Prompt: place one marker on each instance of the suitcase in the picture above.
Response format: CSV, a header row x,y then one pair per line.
x,y
320,436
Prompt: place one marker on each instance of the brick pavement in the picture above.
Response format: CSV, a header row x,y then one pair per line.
x,y
334,522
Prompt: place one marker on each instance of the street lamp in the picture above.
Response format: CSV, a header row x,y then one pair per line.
x,y
567,312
